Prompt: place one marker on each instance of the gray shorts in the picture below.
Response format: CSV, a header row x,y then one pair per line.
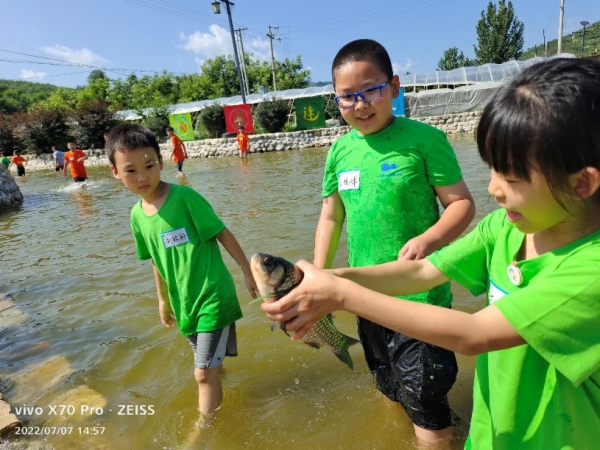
x,y
212,347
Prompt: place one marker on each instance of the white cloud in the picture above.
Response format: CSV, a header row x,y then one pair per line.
x,y
400,69
83,56
27,74
218,42
209,45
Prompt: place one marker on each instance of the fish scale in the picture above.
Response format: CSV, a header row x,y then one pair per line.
x,y
275,277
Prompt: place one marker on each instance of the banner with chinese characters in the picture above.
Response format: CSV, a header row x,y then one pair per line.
x,y
238,115
182,126
310,113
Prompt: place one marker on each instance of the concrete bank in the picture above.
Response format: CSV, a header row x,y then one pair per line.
x,y
324,137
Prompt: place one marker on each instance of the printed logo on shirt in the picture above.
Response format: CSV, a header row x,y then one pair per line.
x,y
175,237
349,180
387,168
495,293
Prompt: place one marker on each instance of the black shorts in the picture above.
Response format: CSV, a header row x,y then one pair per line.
x,y
413,373
179,166
59,168
20,170
79,179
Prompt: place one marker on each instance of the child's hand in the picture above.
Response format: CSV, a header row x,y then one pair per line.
x,y
417,248
166,314
251,285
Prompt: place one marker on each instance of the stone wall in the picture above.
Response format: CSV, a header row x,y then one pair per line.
x,y
10,194
324,137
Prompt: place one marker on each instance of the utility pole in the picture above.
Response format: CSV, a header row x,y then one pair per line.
x,y
244,70
545,45
217,10
271,37
560,26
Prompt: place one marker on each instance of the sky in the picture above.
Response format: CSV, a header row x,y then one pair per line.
x,y
61,41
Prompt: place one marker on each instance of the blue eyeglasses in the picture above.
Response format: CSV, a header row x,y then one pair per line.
x,y
368,95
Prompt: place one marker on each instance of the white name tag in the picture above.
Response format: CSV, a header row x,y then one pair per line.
x,y
349,180
495,293
175,237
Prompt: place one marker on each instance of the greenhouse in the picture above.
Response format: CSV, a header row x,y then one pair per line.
x,y
437,93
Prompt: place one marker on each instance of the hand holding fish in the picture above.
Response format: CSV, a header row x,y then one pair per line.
x,y
251,285
315,297
276,277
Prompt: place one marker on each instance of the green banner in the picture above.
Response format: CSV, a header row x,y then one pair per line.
x,y
310,112
182,126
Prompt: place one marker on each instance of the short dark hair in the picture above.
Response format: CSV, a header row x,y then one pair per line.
x,y
548,118
129,136
363,50
169,129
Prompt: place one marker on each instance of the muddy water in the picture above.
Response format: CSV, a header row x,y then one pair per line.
x,y
82,351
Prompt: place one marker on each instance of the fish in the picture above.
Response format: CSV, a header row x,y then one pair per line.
x,y
275,277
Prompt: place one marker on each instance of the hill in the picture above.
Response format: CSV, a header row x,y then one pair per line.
x,y
16,96
571,43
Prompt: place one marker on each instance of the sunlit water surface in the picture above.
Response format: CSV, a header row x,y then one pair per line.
x,y
79,321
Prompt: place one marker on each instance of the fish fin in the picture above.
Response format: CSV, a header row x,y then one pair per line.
x,y
343,355
282,326
313,345
272,326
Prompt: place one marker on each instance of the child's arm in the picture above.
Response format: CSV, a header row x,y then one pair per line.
x,y
329,230
185,155
321,293
164,304
66,165
83,158
228,240
459,210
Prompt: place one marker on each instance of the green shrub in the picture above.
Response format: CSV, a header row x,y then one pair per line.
x,y
157,121
332,111
88,123
213,119
41,128
272,115
8,141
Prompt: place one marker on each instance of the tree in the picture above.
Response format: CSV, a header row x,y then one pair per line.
x,y
499,34
452,59
41,128
213,119
271,115
89,121
96,75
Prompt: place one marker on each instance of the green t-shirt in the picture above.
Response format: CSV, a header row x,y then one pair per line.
x,y
180,239
544,394
5,161
386,181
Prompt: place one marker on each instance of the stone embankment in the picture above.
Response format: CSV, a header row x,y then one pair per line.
x,y
10,194
324,137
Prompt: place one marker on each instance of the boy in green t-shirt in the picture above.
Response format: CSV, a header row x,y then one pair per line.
x,y
385,177
5,161
177,228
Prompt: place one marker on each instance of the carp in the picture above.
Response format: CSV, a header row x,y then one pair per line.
x,y
275,277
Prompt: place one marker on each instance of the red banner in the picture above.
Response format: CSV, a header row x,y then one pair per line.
x,y
238,115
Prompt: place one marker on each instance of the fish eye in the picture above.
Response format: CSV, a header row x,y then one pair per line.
x,y
268,262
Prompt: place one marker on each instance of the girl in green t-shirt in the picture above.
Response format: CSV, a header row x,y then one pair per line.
x,y
537,377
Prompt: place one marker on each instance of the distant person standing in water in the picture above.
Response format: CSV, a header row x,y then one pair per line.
x,y
18,161
179,153
242,140
74,159
5,161
59,158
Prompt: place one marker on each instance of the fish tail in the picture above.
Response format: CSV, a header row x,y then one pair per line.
x,y
342,353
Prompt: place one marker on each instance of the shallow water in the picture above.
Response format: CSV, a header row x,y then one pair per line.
x,y
79,323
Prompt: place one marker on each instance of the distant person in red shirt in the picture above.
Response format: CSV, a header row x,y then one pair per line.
x,y
74,159
179,153
18,161
242,139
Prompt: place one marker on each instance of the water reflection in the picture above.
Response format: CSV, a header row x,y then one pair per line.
x,y
79,322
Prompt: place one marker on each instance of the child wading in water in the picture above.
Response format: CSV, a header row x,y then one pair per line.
x,y
177,228
537,376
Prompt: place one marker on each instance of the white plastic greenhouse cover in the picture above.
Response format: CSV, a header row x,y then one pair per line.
x,y
467,77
